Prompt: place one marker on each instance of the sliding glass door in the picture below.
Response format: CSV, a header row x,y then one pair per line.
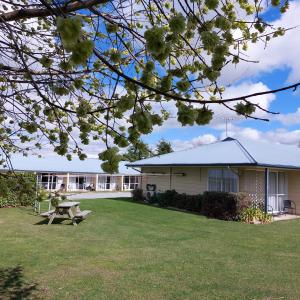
x,y
277,191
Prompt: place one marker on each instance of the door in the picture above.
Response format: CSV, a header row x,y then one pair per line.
x,y
277,191
80,182
102,183
273,187
282,189
108,180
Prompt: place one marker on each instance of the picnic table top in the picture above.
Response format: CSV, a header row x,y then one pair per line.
x,y
67,204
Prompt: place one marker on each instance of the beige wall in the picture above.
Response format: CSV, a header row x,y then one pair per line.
x,y
294,188
251,181
189,180
195,180
160,178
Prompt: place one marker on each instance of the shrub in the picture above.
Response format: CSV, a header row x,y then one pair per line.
x,y
17,189
181,201
167,198
253,214
243,202
56,197
194,203
220,205
42,195
137,195
188,202
10,200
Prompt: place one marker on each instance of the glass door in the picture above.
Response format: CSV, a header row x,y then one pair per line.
x,y
273,187
282,189
277,191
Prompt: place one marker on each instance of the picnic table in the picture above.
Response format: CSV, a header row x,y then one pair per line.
x,y
66,210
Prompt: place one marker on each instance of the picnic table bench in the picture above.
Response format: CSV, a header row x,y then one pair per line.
x,y
66,210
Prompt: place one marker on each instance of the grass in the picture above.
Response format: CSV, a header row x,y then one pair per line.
x,y
126,250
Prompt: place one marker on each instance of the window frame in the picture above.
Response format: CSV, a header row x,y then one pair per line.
x,y
133,182
233,171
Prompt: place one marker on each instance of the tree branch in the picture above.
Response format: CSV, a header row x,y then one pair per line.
x,y
44,12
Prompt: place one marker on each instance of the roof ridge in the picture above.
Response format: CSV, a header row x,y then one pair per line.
x,y
182,150
246,152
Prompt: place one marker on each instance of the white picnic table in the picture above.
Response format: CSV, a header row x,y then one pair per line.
x,y
66,210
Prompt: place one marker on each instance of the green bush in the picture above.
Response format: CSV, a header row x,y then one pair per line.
x,y
243,202
254,214
220,205
166,199
17,189
188,202
42,195
193,203
10,200
137,195
181,201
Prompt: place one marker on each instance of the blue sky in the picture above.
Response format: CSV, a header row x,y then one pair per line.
x,y
279,66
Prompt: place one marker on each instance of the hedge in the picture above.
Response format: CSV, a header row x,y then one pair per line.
x,y
219,205
17,189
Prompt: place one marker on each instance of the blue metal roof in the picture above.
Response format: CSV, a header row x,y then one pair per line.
x,y
60,164
229,152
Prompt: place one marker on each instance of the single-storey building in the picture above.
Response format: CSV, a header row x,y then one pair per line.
x,y
267,173
57,173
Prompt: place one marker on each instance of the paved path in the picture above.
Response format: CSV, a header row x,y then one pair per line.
x,y
95,195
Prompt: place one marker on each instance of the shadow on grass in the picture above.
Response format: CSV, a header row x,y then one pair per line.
x,y
130,200
14,287
57,221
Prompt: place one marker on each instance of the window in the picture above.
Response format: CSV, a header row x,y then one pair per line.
x,y
222,180
131,182
47,181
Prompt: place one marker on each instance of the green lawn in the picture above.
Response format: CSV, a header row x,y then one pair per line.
x,y
126,250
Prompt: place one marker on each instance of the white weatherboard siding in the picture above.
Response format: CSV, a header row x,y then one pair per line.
x,y
159,177
193,182
294,188
189,180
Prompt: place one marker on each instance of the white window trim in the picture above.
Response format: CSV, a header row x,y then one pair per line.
x,y
222,168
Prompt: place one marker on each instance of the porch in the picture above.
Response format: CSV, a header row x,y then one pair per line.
x,y
87,182
286,217
269,188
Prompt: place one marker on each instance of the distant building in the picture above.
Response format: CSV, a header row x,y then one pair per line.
x,y
57,173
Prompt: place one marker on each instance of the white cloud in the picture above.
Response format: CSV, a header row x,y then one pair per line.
x,y
245,133
280,136
197,141
290,119
280,53
221,113
242,89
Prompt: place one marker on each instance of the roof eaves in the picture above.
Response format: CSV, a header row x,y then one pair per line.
x,y
193,165
279,166
52,171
